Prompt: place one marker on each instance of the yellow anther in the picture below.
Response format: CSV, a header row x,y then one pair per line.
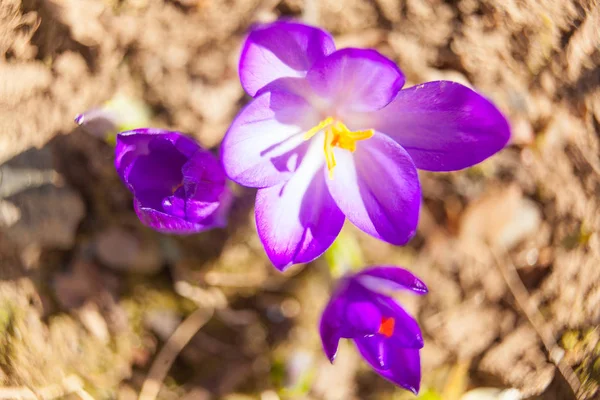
x,y
313,131
337,134
328,149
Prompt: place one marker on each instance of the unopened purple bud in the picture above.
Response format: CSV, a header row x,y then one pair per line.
x,y
178,186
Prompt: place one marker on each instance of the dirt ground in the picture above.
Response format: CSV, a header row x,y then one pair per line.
x,y
510,249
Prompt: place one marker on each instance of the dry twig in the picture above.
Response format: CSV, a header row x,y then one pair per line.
x,y
162,363
536,319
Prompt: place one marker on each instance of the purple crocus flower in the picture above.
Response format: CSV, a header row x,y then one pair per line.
x,y
329,135
178,187
387,337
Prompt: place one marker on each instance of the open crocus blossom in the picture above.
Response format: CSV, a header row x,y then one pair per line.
x,y
329,135
387,337
178,187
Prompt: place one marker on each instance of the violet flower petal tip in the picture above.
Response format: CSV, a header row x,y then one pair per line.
x,y
298,220
405,369
279,50
443,125
178,187
329,334
356,80
393,278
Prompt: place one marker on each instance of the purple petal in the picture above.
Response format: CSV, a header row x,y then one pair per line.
x,y
354,80
178,186
130,145
356,312
329,331
219,218
202,189
404,368
152,177
192,210
373,350
361,317
203,179
264,145
165,223
134,143
201,215
203,170
351,313
377,188
444,126
390,278
279,50
298,220
406,330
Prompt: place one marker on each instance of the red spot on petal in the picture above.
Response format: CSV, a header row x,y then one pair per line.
x,y
387,326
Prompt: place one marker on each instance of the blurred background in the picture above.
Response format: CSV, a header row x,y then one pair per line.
x,y
509,249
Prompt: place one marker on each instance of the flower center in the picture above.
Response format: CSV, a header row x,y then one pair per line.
x,y
337,134
387,326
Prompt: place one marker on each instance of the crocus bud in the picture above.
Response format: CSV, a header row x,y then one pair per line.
x,y
178,186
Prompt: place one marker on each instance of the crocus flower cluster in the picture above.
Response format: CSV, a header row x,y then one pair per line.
x,y
330,135
387,337
178,186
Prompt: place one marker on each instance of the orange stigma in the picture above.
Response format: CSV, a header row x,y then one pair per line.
x,y
387,326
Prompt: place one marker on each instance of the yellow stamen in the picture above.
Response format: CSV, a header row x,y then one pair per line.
x,y
313,131
337,134
328,149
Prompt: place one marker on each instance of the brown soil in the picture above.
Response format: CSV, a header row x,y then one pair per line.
x,y
88,296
